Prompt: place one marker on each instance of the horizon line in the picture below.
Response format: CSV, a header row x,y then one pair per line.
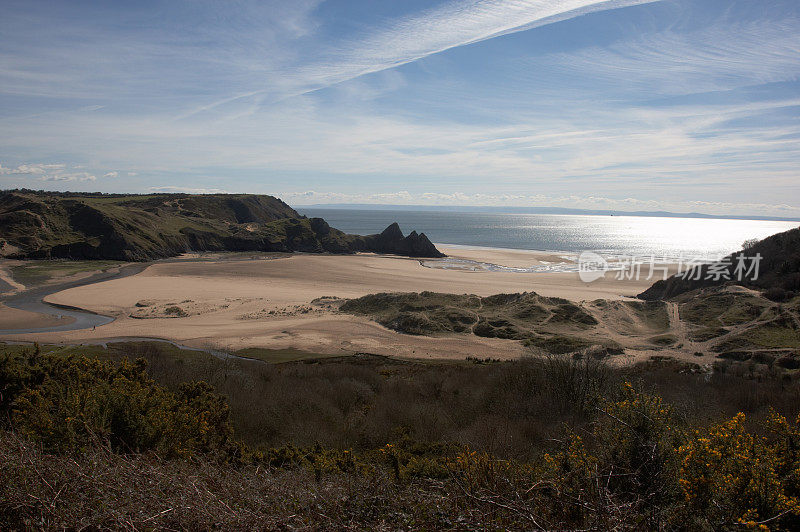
x,y
554,210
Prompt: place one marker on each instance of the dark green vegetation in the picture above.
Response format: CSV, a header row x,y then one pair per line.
x,y
740,323
778,276
552,324
545,324
372,443
145,227
715,308
734,322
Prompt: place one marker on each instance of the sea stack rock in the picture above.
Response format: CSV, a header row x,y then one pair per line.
x,y
392,233
418,245
391,240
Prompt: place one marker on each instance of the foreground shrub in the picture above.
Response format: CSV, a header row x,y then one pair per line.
x,y
640,469
74,453
731,477
623,472
69,403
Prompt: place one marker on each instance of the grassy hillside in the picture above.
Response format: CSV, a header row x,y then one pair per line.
x,y
146,227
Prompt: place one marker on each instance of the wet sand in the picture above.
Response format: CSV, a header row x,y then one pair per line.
x,y
512,258
234,304
7,284
11,318
38,314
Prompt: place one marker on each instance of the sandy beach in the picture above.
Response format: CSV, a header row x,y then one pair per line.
x,y
235,304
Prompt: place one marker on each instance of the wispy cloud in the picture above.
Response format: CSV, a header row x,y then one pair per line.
x,y
672,102
130,53
726,55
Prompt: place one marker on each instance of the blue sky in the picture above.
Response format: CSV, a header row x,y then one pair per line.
x,y
629,105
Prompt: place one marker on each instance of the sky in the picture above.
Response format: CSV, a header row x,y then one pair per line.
x,y
679,105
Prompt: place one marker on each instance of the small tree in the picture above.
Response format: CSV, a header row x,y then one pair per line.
x,y
749,243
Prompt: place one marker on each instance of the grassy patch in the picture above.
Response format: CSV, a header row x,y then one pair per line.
x,y
713,308
38,272
652,313
663,340
425,313
707,333
557,344
639,318
116,351
775,334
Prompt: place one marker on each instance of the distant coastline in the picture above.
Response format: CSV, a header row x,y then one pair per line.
x,y
538,210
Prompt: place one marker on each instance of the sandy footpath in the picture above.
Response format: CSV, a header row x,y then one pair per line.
x,y
267,303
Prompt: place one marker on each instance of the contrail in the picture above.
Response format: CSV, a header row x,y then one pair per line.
x,y
458,23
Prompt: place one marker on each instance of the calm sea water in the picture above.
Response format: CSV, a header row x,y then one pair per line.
x,y
613,235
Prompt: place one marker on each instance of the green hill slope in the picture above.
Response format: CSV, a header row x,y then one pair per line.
x,y
146,227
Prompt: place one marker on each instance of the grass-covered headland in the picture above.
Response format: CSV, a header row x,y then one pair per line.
x,y
146,436
135,227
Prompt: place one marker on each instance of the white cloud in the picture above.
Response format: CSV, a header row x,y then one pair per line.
x,y
601,149
187,190
111,174
69,177
31,169
48,172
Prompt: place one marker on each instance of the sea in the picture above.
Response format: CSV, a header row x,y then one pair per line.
x,y
664,238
